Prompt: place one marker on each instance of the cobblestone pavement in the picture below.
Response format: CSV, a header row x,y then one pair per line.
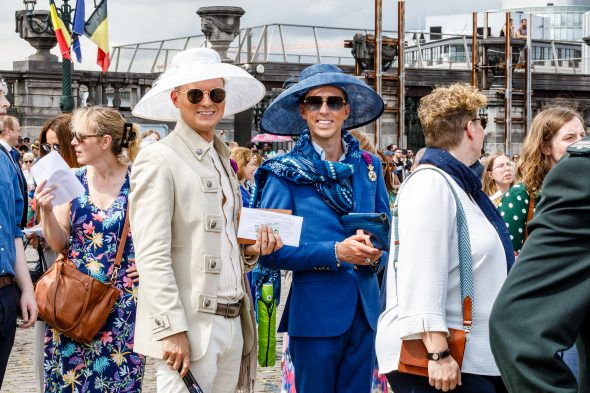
x,y
19,376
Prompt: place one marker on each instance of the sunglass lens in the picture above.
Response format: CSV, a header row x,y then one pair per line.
x,y
484,122
194,95
313,103
335,103
217,95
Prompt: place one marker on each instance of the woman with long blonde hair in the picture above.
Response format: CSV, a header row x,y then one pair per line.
x,y
89,228
498,176
552,131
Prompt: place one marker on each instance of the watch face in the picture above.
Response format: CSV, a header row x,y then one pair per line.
x,y
435,356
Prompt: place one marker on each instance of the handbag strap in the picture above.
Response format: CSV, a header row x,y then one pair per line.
x,y
121,247
464,246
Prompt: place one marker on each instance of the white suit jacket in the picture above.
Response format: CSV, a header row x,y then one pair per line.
x,y
177,222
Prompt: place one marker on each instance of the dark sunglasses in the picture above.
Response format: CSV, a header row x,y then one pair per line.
x,y
47,147
28,161
483,121
194,96
314,103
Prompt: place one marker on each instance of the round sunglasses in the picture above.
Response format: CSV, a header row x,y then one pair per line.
x,y
194,96
314,103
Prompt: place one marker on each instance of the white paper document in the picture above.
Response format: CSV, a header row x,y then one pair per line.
x,y
36,230
286,225
54,169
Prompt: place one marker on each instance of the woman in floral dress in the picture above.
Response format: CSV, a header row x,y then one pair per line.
x,y
90,227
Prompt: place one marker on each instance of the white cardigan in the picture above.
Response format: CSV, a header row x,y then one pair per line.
x,y
427,296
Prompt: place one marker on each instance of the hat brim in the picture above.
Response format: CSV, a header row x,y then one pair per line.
x,y
243,91
283,118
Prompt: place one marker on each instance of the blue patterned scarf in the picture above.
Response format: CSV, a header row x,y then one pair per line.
x,y
303,165
471,184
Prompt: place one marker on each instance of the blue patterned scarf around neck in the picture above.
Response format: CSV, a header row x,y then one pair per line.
x,y
303,165
471,184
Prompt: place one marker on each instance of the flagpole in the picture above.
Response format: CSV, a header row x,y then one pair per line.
x,y
66,102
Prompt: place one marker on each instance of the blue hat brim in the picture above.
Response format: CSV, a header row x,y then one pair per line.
x,y
283,118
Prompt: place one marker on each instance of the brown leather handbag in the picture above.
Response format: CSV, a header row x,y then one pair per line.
x,y
414,356
73,302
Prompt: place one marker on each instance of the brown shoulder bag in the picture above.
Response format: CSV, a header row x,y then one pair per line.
x,y
75,303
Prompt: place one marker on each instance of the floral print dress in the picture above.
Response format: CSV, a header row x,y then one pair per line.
x,y
108,363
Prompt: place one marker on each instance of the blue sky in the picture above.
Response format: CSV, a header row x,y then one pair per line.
x,y
133,21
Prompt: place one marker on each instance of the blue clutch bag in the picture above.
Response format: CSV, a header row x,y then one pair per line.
x,y
376,225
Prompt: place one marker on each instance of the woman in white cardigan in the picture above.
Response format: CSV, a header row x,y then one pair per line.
x,y
423,294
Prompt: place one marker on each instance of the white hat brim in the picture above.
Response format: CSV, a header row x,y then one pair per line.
x,y
243,91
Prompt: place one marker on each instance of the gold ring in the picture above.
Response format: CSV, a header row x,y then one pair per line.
x,y
368,261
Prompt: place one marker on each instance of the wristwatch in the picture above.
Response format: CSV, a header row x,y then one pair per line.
x,y
439,355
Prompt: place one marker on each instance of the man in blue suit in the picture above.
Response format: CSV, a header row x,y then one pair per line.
x,y
332,309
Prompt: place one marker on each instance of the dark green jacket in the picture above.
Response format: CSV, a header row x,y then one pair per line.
x,y
544,305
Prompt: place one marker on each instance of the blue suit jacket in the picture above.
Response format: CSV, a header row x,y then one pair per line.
x,y
323,297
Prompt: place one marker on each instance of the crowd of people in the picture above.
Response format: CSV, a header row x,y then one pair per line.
x,y
487,251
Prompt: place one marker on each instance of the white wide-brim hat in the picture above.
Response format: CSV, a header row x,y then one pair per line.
x,y
243,91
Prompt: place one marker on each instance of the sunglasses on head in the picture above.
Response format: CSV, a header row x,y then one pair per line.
x,y
314,103
47,147
194,96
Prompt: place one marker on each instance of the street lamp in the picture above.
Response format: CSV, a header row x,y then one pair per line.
x,y
42,25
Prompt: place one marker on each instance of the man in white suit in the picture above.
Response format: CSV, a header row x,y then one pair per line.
x,y
194,308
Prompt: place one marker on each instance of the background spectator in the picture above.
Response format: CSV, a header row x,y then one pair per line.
x,y
498,176
56,134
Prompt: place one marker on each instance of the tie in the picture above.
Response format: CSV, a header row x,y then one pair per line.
x,y
15,156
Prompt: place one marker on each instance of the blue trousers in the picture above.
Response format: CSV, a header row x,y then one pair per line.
x,y
341,364
8,305
470,383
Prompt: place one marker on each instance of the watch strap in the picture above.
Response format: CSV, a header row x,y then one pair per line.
x,y
439,355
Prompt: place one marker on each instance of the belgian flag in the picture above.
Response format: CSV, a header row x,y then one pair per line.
x,y
97,29
61,33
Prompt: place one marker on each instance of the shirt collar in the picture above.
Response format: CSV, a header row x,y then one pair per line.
x,y
197,144
6,145
322,153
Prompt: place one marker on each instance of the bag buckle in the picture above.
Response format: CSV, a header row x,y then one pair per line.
x,y
467,332
115,273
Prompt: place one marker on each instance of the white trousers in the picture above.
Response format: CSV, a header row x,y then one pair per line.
x,y
218,370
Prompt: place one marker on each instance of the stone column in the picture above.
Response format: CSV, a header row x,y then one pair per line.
x,y
220,25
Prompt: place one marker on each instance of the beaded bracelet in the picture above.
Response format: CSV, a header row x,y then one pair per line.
x,y
338,261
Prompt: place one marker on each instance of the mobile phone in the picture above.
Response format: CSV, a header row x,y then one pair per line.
x,y
191,383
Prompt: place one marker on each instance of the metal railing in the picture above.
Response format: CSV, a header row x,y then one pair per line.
x,y
302,44
282,43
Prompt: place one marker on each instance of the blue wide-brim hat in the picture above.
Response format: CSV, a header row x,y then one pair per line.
x,y
282,116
